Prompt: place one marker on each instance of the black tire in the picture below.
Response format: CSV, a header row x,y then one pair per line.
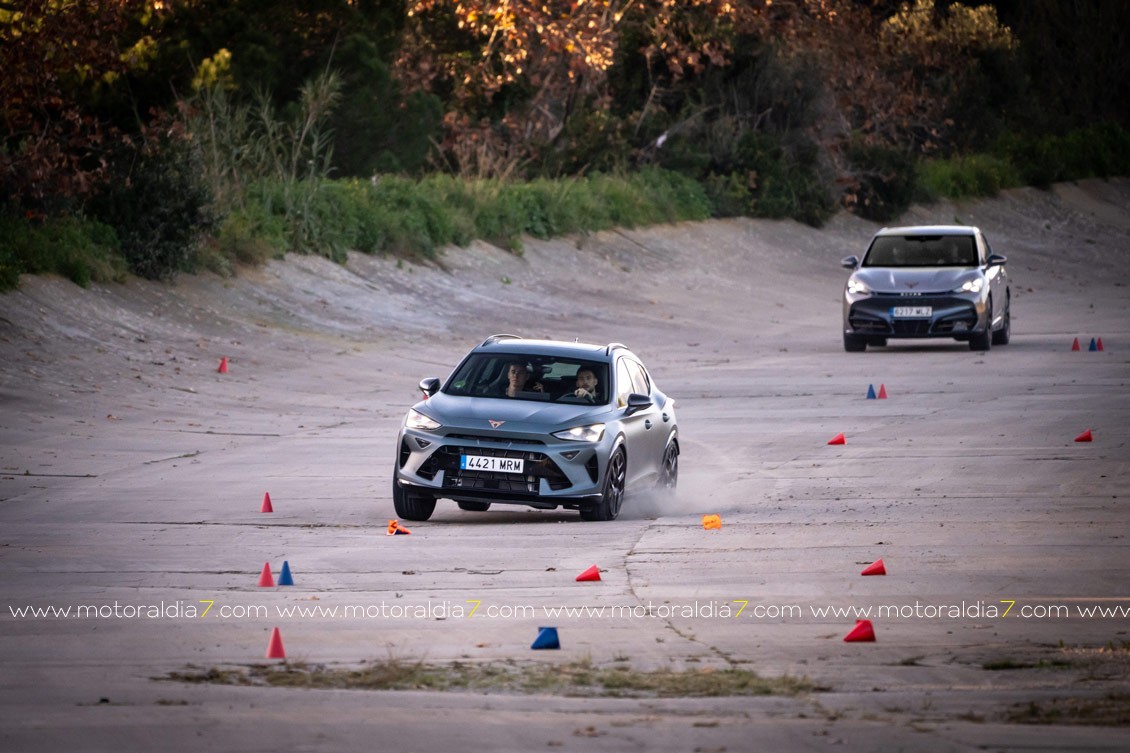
x,y
411,505
612,496
474,506
854,343
669,471
983,340
1004,334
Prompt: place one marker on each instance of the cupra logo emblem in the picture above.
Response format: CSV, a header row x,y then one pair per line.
x,y
912,285
495,424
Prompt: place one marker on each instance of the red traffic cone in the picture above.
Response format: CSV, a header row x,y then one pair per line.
x,y
265,578
1100,344
266,506
863,632
1075,344
395,529
1086,436
223,365
593,573
882,392
838,439
275,648
875,568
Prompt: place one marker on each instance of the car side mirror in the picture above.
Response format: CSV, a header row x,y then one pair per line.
x,y
850,262
996,260
429,386
637,402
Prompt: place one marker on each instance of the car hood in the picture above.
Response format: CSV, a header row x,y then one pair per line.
x,y
526,415
915,279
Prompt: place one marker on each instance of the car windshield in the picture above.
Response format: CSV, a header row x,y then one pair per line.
x,y
922,251
531,377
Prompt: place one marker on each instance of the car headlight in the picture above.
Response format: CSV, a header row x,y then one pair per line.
x,y
971,286
417,420
591,433
857,287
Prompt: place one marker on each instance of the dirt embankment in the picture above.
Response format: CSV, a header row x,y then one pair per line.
x,y
689,290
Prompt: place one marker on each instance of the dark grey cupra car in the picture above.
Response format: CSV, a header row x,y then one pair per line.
x,y
927,281
537,422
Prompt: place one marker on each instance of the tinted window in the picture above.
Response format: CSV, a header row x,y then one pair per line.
x,y
922,251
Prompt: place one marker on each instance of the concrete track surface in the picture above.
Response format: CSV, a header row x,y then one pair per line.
x,y
132,472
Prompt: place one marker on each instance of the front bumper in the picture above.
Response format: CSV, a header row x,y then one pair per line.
x,y
556,472
951,316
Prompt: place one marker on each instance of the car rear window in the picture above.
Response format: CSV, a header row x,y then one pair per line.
x,y
922,251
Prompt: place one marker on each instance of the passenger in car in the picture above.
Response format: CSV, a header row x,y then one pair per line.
x,y
518,379
586,384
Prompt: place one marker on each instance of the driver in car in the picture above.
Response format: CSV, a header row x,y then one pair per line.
x,y
586,384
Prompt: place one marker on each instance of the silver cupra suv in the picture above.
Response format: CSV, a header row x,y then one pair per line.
x,y
542,423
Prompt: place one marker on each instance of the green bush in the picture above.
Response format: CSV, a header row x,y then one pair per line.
x,y
770,178
885,180
966,177
159,206
79,249
1098,151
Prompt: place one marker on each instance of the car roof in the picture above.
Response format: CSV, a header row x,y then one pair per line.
x,y
930,230
533,347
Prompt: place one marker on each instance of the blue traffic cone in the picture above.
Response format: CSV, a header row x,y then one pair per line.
x,y
285,578
870,392
547,638
1094,345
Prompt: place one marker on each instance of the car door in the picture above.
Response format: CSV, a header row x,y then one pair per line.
x,y
644,428
996,278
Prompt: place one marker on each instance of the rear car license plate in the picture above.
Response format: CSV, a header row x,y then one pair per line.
x,y
492,464
912,312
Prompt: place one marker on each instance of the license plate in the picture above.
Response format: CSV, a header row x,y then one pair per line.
x,y
912,312
486,463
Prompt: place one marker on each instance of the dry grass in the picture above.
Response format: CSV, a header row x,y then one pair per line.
x,y
580,678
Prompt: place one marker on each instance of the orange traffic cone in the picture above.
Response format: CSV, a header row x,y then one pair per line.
x,y
875,568
712,522
265,578
838,439
1086,436
275,647
266,506
395,529
593,573
863,632
223,365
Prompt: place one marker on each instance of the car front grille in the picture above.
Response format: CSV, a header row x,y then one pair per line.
x,y
493,438
911,327
538,466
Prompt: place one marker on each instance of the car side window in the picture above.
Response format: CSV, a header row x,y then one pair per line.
x,y
623,383
640,382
